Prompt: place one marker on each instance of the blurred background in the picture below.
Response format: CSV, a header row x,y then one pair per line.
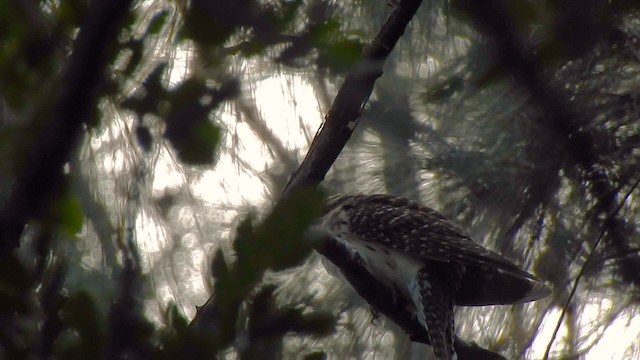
x,y
138,139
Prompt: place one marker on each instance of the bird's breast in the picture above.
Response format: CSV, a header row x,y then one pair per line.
x,y
390,264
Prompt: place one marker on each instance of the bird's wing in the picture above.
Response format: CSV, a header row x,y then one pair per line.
x,y
416,230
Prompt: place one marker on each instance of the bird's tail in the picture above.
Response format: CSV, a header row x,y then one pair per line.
x,y
434,305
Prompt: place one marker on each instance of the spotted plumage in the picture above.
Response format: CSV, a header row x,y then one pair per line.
x,y
427,260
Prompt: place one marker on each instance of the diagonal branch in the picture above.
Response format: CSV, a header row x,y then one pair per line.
x,y
347,107
340,122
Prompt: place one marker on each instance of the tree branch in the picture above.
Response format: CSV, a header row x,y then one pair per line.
x,y
41,175
347,107
339,124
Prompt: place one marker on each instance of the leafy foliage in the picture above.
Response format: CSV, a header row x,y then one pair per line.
x,y
43,313
526,128
185,111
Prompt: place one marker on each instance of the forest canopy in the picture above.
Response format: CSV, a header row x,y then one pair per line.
x,y
160,162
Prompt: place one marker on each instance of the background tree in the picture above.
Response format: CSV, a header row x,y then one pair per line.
x,y
136,137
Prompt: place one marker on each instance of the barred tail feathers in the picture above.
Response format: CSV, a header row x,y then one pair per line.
x,y
434,306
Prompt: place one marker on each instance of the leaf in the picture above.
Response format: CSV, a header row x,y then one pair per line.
x,y
325,32
143,135
280,234
198,146
157,23
340,56
136,46
212,22
71,13
69,214
81,314
252,262
177,320
153,94
219,266
188,128
317,355
15,286
262,303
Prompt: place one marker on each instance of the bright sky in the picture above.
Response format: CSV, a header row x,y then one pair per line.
x,y
616,339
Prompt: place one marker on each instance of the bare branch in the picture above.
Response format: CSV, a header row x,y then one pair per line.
x,y
347,107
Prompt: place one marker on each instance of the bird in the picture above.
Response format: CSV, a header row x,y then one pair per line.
x,y
425,261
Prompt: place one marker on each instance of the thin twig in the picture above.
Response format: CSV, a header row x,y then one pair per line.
x,y
583,270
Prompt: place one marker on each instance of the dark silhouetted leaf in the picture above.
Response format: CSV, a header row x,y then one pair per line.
x,y
212,22
317,355
177,320
157,23
143,135
340,56
69,214
153,94
137,47
188,128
